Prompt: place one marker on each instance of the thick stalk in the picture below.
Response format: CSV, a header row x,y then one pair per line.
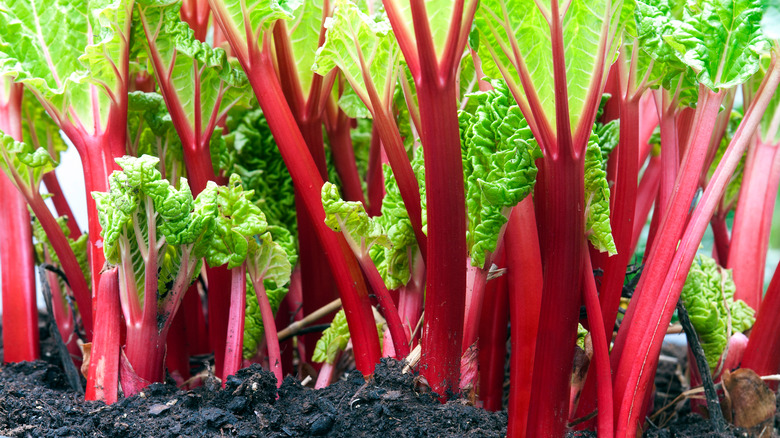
x,y
374,177
475,296
269,328
235,332
446,281
305,175
524,278
196,14
753,221
103,375
648,324
20,319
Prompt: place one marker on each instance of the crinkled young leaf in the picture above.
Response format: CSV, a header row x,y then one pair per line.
x,y
598,228
237,223
707,291
527,26
45,45
498,153
351,35
721,40
352,219
260,165
268,260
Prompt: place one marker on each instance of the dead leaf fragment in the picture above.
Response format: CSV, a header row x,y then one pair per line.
x,y
748,400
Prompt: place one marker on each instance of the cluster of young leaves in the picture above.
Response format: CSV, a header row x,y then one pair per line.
x,y
151,132
139,204
708,296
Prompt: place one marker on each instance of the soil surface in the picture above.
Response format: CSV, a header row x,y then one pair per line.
x,y
36,401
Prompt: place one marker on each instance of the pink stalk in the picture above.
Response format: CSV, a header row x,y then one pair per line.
x,y
337,125
326,373
196,14
762,354
374,176
269,328
648,324
61,204
20,318
720,232
235,333
103,376
753,221
524,279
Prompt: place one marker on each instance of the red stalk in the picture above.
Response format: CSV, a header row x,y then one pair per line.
x,y
235,331
195,322
492,344
337,125
722,241
269,328
475,297
646,195
20,318
600,349
763,350
103,376
196,14
524,278
305,175
374,176
177,353
61,204
562,209
753,221
648,324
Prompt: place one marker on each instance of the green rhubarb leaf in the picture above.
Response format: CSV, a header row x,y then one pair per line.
x,y
721,40
439,14
499,152
200,83
39,130
597,224
504,24
351,218
238,221
268,261
45,45
245,21
304,32
708,295
351,36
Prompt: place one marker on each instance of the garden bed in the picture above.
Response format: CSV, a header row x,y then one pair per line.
x,y
35,400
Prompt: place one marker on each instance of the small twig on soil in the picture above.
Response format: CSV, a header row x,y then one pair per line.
x,y
711,395
71,373
674,329
583,419
306,330
417,328
295,328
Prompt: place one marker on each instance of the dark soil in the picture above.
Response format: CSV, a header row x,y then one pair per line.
x,y
36,401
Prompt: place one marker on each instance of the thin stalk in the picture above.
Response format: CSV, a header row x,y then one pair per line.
x,y
61,204
235,332
646,195
720,232
600,350
337,125
493,328
374,177
269,328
